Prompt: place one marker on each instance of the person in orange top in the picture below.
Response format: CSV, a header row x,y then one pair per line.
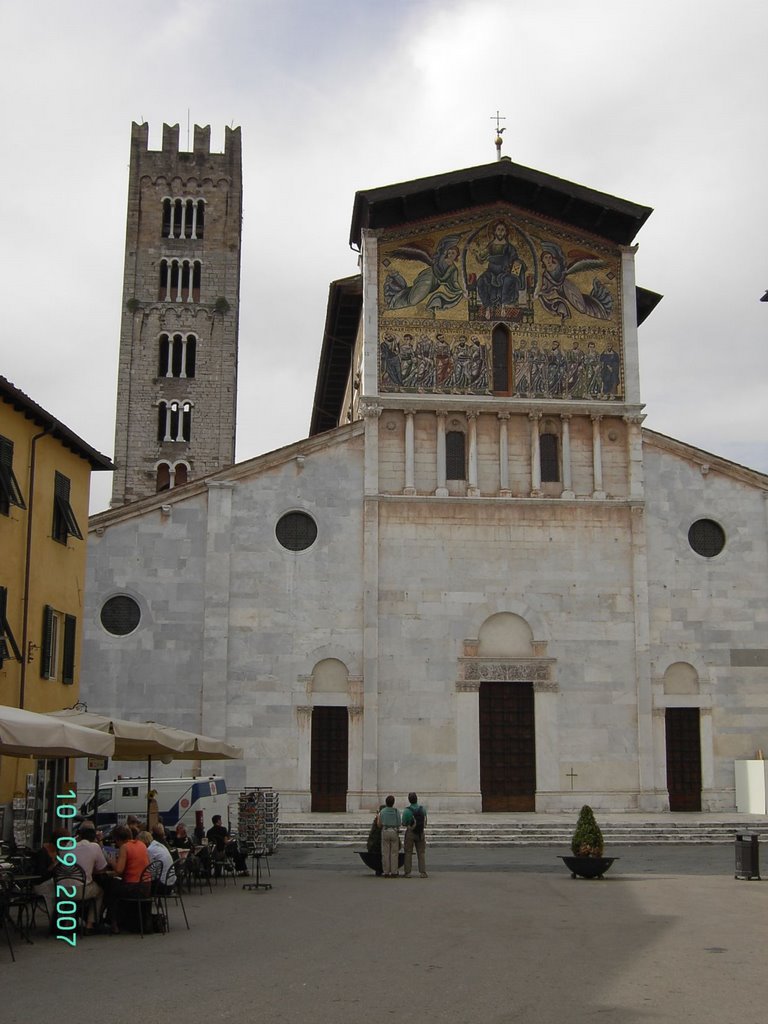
x,y
129,865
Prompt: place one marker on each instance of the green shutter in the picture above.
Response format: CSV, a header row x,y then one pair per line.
x,y
68,663
45,646
8,646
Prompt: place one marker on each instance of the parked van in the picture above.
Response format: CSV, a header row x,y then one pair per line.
x,y
177,800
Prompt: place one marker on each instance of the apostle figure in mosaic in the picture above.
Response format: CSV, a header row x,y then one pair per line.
x,y
574,372
478,364
559,295
522,372
610,369
556,370
592,380
443,362
390,361
439,282
461,364
503,280
425,364
537,372
407,362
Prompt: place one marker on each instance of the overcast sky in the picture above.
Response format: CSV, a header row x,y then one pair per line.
x,y
662,103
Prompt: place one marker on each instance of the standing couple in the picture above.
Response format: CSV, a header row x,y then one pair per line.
x,y
414,819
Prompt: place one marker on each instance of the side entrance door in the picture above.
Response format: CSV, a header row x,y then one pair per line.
x,y
330,754
683,759
507,746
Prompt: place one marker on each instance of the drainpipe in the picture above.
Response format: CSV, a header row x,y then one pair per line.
x,y
28,563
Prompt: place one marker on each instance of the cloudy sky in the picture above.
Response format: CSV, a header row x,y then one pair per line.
x,y
662,103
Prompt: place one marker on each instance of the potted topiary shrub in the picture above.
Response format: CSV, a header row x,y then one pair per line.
x,y
587,848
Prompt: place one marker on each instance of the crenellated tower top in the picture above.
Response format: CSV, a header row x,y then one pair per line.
x,y
201,150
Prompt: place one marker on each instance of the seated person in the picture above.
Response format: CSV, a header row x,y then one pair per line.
x,y
129,866
220,839
90,857
44,864
180,839
157,850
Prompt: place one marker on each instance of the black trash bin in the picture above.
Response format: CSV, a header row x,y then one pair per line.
x,y
747,857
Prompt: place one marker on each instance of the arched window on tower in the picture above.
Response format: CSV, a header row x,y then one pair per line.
x,y
181,474
174,421
502,364
180,280
177,355
549,458
455,455
183,218
163,479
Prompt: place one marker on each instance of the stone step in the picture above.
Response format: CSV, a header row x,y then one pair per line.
x,y
343,832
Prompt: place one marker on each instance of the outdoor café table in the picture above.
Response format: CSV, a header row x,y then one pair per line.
x,y
21,897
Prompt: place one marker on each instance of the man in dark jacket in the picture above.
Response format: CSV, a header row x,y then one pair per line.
x,y
415,820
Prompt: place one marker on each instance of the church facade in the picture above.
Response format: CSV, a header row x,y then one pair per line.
x,y
480,576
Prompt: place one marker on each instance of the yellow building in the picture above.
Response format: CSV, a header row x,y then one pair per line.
x,y
45,472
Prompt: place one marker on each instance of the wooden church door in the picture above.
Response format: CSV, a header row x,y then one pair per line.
x,y
330,755
683,759
507,746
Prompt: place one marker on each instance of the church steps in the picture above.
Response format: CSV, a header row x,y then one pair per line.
x,y
343,833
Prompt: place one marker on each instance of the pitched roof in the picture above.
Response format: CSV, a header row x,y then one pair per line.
x,y
615,219
11,395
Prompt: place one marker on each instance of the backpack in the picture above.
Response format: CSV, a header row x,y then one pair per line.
x,y
419,820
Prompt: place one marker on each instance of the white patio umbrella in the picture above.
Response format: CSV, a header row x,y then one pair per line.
x,y
28,734
135,741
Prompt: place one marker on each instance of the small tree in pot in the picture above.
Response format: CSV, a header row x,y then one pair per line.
x,y
587,846
587,839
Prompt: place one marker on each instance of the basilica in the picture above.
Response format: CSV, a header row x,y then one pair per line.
x,y
480,576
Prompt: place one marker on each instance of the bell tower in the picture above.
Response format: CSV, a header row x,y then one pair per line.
x,y
177,376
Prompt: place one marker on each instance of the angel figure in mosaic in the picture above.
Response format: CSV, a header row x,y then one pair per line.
x,y
439,282
558,294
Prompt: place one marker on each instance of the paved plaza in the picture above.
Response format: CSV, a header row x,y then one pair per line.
x,y
492,936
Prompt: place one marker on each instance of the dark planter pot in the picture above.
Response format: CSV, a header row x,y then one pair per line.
x,y
588,867
373,860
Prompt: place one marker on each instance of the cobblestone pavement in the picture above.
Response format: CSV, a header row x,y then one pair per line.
x,y
492,936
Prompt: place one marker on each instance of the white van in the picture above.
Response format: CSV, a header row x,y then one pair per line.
x,y
177,800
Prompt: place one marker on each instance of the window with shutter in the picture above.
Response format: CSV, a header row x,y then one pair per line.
x,y
549,459
10,492
48,644
8,646
64,522
68,653
455,455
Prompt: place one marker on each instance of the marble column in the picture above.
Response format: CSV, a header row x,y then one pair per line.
x,y
568,492
504,489
635,457
410,455
597,458
442,483
535,417
472,489
304,756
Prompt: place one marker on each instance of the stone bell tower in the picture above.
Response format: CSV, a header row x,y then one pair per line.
x,y
177,378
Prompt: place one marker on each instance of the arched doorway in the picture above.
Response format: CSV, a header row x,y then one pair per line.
x,y
507,721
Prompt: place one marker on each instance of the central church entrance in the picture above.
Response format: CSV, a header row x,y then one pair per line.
x,y
507,746
330,757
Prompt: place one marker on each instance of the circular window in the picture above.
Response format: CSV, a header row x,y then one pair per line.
x,y
296,531
120,615
706,537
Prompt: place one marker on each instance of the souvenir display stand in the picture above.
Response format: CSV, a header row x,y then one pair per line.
x,y
258,827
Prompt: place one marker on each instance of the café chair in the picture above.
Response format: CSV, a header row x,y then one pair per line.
x,y
172,891
141,894
72,875
223,865
5,915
